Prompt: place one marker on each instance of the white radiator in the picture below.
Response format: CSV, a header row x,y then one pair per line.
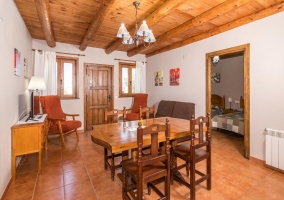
x,y
274,148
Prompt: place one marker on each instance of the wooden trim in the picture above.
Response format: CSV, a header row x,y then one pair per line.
x,y
198,21
233,24
42,7
96,23
245,49
154,17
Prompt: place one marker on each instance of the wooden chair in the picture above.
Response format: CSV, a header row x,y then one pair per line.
x,y
112,117
139,100
192,153
57,122
146,111
146,169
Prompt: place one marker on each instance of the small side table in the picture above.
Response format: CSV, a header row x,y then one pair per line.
x,y
28,137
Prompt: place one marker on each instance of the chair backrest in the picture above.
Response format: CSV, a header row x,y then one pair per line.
x,y
140,99
51,106
153,130
114,115
203,125
145,112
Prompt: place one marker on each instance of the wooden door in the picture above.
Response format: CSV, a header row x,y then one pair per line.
x,y
98,93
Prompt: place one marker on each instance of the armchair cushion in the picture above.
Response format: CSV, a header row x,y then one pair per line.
x,y
65,125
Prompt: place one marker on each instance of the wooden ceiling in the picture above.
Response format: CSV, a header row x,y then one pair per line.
x,y
175,23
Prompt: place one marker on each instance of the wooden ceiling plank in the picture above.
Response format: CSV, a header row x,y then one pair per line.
x,y
154,17
42,8
236,23
221,9
96,23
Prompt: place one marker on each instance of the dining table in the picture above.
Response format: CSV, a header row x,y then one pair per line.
x,y
122,136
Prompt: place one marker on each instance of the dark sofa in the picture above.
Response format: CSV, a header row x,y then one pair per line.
x,y
177,109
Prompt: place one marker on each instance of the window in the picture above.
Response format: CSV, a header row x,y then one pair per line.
x,y
126,79
67,77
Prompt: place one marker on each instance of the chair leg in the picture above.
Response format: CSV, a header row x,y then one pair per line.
x,y
61,134
209,180
77,134
192,181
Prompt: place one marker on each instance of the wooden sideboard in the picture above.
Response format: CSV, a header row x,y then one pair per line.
x,y
28,137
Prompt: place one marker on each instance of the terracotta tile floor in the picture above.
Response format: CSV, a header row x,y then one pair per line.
x,y
77,172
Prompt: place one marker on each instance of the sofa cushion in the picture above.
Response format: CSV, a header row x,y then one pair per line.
x,y
165,108
183,110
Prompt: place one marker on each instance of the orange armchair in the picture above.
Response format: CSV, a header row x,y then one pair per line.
x,y
57,122
140,100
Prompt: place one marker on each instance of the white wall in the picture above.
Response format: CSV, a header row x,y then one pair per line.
x,y
13,34
266,74
93,55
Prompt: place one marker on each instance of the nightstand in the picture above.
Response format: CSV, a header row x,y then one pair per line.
x,y
228,110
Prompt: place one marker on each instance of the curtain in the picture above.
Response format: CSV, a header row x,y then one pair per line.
x,y
140,77
45,66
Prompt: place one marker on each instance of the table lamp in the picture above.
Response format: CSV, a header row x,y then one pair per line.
x,y
230,100
36,83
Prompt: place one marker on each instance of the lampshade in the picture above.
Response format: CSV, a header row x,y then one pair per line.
x,y
122,31
230,99
36,83
143,30
150,38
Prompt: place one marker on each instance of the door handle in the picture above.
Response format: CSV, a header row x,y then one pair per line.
x,y
109,98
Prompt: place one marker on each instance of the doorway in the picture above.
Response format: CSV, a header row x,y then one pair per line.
x,y
245,50
98,84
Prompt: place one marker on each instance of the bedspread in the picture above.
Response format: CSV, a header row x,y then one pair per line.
x,y
232,122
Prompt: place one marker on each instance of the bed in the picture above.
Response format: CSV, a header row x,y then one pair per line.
x,y
217,105
232,122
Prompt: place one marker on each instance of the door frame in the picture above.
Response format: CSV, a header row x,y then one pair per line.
x,y
86,88
245,50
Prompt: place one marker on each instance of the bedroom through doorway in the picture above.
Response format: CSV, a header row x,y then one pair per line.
x,y
227,94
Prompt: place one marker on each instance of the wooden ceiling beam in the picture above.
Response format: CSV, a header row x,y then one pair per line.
x,y
42,7
96,23
233,24
221,9
158,14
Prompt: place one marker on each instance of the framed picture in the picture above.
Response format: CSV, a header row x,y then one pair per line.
x,y
174,76
215,78
159,78
17,62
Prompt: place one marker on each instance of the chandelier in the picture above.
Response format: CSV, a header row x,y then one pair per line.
x,y
143,33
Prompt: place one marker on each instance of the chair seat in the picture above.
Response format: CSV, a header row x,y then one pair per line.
x,y
66,126
183,150
150,172
132,116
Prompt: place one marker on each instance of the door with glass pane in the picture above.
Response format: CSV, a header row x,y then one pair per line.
x,y
98,93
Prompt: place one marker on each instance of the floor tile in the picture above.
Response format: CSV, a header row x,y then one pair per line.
x,y
56,194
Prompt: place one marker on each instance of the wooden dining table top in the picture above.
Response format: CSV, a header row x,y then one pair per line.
x,y
122,136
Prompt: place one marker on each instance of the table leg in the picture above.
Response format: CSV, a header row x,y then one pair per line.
x,y
14,166
39,162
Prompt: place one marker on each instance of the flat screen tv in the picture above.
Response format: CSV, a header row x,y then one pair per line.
x,y
34,106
